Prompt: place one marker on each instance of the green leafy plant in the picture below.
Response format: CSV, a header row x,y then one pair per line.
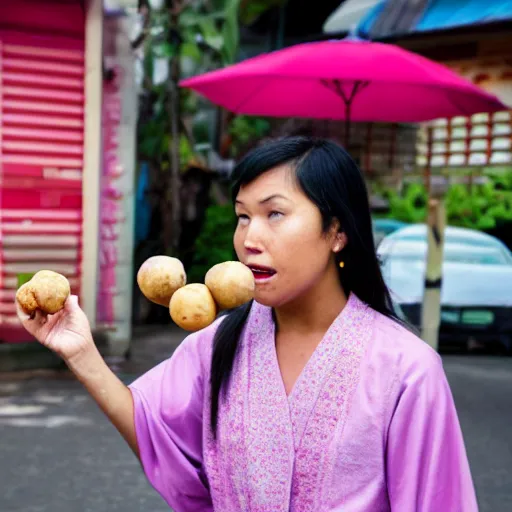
x,y
244,130
485,207
409,207
251,10
184,38
215,243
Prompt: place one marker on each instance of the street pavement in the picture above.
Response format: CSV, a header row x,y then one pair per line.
x,y
59,454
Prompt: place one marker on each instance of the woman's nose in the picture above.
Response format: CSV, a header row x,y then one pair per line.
x,y
252,249
253,239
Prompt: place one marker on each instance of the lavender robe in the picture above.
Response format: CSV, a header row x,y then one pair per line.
x,y
370,425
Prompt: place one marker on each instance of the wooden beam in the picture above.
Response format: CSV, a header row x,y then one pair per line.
x,y
92,157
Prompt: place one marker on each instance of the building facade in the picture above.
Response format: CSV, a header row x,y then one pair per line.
x,y
67,125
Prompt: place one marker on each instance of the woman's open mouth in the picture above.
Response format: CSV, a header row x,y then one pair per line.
x,y
261,273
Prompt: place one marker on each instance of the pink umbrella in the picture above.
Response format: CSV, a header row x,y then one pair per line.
x,y
348,79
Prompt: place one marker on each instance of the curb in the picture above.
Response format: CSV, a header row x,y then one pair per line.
x,y
32,356
27,356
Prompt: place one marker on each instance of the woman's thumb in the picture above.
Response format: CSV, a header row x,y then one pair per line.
x,y
71,303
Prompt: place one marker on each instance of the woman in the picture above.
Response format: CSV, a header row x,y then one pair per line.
x,y
311,398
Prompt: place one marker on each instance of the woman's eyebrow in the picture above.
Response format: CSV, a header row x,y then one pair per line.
x,y
265,200
273,196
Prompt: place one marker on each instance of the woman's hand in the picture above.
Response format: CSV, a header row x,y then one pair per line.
x,y
67,333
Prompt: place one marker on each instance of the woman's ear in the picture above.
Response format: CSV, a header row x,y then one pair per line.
x,y
337,236
340,241
334,228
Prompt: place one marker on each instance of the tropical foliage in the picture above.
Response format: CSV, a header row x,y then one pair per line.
x,y
183,38
485,207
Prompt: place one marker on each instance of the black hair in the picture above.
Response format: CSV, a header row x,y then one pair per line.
x,y
333,182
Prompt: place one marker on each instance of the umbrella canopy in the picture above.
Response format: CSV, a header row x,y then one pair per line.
x,y
351,80
345,79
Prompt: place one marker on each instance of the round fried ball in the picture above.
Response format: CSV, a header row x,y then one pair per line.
x,y
46,291
231,284
192,307
159,277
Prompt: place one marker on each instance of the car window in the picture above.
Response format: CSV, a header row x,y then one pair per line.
x,y
453,238
456,253
402,257
492,257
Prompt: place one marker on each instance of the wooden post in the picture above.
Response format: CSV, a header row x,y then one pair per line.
x,y
92,157
428,168
369,141
174,146
436,222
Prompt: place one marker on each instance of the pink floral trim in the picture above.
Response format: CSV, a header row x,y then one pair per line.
x,y
273,452
334,377
226,457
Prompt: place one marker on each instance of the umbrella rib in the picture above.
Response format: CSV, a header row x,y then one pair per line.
x,y
451,99
249,96
336,87
359,85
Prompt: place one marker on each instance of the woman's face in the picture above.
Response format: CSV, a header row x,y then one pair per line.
x,y
279,236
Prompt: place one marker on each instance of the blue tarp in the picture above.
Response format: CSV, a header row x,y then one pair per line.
x,y
446,14
142,206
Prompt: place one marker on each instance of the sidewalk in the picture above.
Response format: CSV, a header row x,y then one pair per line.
x,y
150,345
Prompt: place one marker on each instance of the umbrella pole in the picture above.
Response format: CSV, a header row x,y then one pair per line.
x,y
347,124
337,87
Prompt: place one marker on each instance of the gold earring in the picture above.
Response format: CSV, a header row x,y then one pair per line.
x,y
342,264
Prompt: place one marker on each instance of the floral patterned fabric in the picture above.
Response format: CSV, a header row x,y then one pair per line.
x,y
369,425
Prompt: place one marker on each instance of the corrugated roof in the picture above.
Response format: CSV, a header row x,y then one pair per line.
x,y
442,15
348,15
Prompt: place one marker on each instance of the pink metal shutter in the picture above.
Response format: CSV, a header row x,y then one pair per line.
x,y
41,137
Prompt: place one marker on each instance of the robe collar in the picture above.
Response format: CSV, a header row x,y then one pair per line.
x,y
274,449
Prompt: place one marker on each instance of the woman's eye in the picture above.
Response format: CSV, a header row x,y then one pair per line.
x,y
242,218
275,215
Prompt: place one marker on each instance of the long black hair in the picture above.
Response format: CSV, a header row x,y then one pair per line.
x,y
333,182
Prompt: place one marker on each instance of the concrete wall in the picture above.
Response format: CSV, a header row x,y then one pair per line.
x,y
482,139
118,204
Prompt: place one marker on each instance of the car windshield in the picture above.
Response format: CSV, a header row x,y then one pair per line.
x,y
476,255
455,253
453,238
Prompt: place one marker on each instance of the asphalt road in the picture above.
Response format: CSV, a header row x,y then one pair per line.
x,y
59,454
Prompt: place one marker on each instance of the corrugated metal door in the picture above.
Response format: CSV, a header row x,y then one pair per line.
x,y
41,130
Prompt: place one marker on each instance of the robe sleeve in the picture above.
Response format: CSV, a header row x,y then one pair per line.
x,y
427,469
168,402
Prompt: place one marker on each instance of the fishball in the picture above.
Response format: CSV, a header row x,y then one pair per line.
x,y
46,291
231,284
192,307
159,277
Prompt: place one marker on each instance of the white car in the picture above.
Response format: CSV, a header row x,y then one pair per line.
x,y
476,292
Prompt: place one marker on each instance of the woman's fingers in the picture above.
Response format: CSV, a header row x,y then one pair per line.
x,y
32,323
39,322
21,314
40,318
